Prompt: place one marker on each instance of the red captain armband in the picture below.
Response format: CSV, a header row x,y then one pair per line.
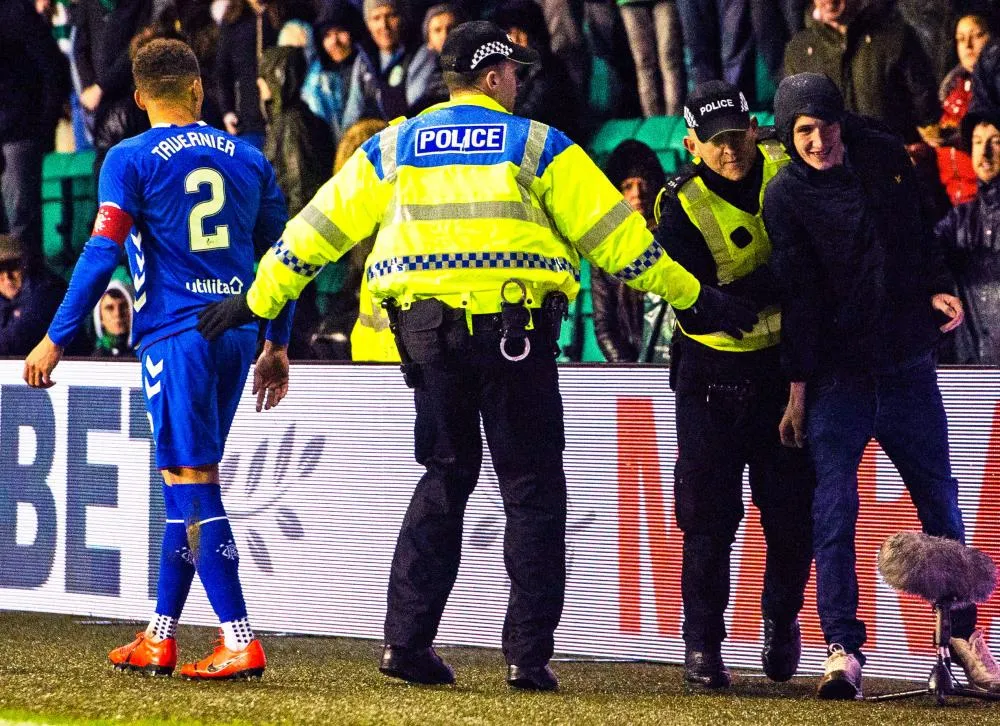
x,y
112,223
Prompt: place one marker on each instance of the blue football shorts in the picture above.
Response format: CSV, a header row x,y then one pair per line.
x,y
192,389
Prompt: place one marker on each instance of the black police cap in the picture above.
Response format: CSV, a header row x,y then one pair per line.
x,y
715,107
479,44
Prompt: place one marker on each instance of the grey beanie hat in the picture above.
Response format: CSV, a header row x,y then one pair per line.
x,y
805,94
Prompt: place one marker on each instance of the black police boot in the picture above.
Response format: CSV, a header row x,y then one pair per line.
x,y
533,678
782,649
416,665
705,668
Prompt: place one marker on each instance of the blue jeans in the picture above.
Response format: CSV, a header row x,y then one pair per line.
x,y
719,41
901,408
21,194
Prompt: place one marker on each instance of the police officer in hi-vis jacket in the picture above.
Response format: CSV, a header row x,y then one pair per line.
x,y
482,218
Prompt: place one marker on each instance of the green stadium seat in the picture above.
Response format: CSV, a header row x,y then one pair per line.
x,y
611,134
663,132
68,208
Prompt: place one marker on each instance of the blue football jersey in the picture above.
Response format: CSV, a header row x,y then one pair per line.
x,y
199,200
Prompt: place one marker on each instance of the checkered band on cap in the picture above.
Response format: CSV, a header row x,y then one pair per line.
x,y
485,51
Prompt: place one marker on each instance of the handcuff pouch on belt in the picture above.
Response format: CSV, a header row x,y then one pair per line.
x,y
515,318
426,332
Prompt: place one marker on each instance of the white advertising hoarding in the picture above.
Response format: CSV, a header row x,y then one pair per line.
x,y
317,487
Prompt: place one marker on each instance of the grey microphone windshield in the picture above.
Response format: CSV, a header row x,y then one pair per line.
x,y
936,568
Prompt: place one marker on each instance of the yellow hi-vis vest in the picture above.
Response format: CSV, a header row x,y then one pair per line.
x,y
371,339
466,196
717,219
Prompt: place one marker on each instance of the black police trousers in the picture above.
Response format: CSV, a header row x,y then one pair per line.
x,y
728,411
522,418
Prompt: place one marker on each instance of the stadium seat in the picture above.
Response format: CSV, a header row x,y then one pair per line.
x,y
68,208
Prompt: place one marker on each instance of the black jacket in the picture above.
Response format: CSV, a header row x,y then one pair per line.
x,y
236,69
34,75
855,257
25,319
102,42
970,238
879,66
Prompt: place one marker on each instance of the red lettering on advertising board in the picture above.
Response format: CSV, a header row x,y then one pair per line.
x,y
640,490
986,535
641,498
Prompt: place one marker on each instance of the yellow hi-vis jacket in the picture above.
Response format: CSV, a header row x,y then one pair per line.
x,y
371,339
717,219
466,196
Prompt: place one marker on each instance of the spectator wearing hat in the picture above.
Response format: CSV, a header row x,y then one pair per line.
x,y
970,238
866,296
380,85
28,300
729,391
328,79
618,309
113,323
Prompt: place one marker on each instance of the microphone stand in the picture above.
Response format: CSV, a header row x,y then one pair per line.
x,y
941,682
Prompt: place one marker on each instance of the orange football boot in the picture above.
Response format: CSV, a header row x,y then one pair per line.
x,y
145,656
224,664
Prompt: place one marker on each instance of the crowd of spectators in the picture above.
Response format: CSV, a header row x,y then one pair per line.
x,y
293,76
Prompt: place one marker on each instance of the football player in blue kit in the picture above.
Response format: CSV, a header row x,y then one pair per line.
x,y
186,203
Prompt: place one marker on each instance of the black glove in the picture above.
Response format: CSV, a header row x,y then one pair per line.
x,y
220,316
715,311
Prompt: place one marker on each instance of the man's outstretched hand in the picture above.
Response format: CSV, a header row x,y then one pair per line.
x,y
715,311
270,375
221,316
40,362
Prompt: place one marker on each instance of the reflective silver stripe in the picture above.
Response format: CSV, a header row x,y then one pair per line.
x,y
376,322
471,210
326,227
710,229
387,145
643,262
605,226
533,148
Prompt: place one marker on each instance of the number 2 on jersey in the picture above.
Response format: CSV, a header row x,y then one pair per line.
x,y
218,236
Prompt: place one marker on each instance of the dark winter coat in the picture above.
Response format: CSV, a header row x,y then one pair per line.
x,y
236,69
298,144
34,75
25,319
855,257
880,68
970,238
102,42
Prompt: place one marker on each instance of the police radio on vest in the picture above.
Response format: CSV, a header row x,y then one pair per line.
x,y
716,105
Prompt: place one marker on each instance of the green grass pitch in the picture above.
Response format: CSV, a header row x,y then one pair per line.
x,y
53,669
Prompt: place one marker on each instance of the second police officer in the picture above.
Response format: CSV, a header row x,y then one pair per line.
x,y
729,391
481,219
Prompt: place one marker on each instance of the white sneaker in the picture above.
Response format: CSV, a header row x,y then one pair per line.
x,y
976,660
841,679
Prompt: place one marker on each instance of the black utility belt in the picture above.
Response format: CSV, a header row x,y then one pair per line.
x,y
490,323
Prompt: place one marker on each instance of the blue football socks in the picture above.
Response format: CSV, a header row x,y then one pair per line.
x,y
176,566
211,540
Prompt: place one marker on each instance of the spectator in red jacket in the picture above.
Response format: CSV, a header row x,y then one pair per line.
x,y
972,33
